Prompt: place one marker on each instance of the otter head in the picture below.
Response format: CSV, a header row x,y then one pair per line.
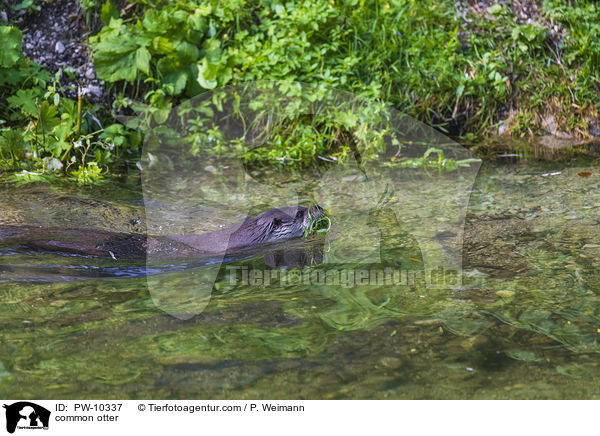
x,y
277,224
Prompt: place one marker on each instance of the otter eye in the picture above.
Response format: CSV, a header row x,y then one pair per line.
x,y
276,222
300,214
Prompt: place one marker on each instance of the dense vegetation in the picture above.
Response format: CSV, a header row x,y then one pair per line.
x,y
464,68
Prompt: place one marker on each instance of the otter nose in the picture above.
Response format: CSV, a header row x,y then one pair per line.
x,y
317,212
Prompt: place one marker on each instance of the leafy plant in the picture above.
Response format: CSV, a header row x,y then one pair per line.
x,y
41,128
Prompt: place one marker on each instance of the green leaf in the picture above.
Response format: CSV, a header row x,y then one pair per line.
x,y
161,115
108,12
26,5
177,81
157,22
10,45
198,22
10,76
432,150
115,59
57,146
12,141
207,74
495,9
48,116
24,100
348,119
142,60
515,33
212,50
162,45
186,53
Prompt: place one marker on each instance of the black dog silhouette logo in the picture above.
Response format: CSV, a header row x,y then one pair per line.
x,y
26,415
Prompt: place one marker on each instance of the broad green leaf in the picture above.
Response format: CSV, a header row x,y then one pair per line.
x,y
180,16
142,60
177,80
162,45
161,115
48,116
25,100
157,22
10,45
207,74
212,50
116,59
186,52
198,22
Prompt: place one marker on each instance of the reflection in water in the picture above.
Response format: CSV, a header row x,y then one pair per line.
x,y
22,263
295,256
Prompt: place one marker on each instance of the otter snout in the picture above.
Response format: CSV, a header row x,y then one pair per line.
x,y
277,224
317,212
312,216
292,221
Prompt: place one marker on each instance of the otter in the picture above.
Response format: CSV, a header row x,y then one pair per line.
x,y
272,226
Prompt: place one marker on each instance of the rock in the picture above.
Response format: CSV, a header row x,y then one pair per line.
x,y
550,125
59,48
502,128
390,362
594,128
93,90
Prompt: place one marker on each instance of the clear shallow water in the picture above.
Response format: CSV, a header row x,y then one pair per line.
x,y
523,323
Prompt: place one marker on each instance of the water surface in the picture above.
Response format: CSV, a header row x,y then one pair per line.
x,y
524,321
